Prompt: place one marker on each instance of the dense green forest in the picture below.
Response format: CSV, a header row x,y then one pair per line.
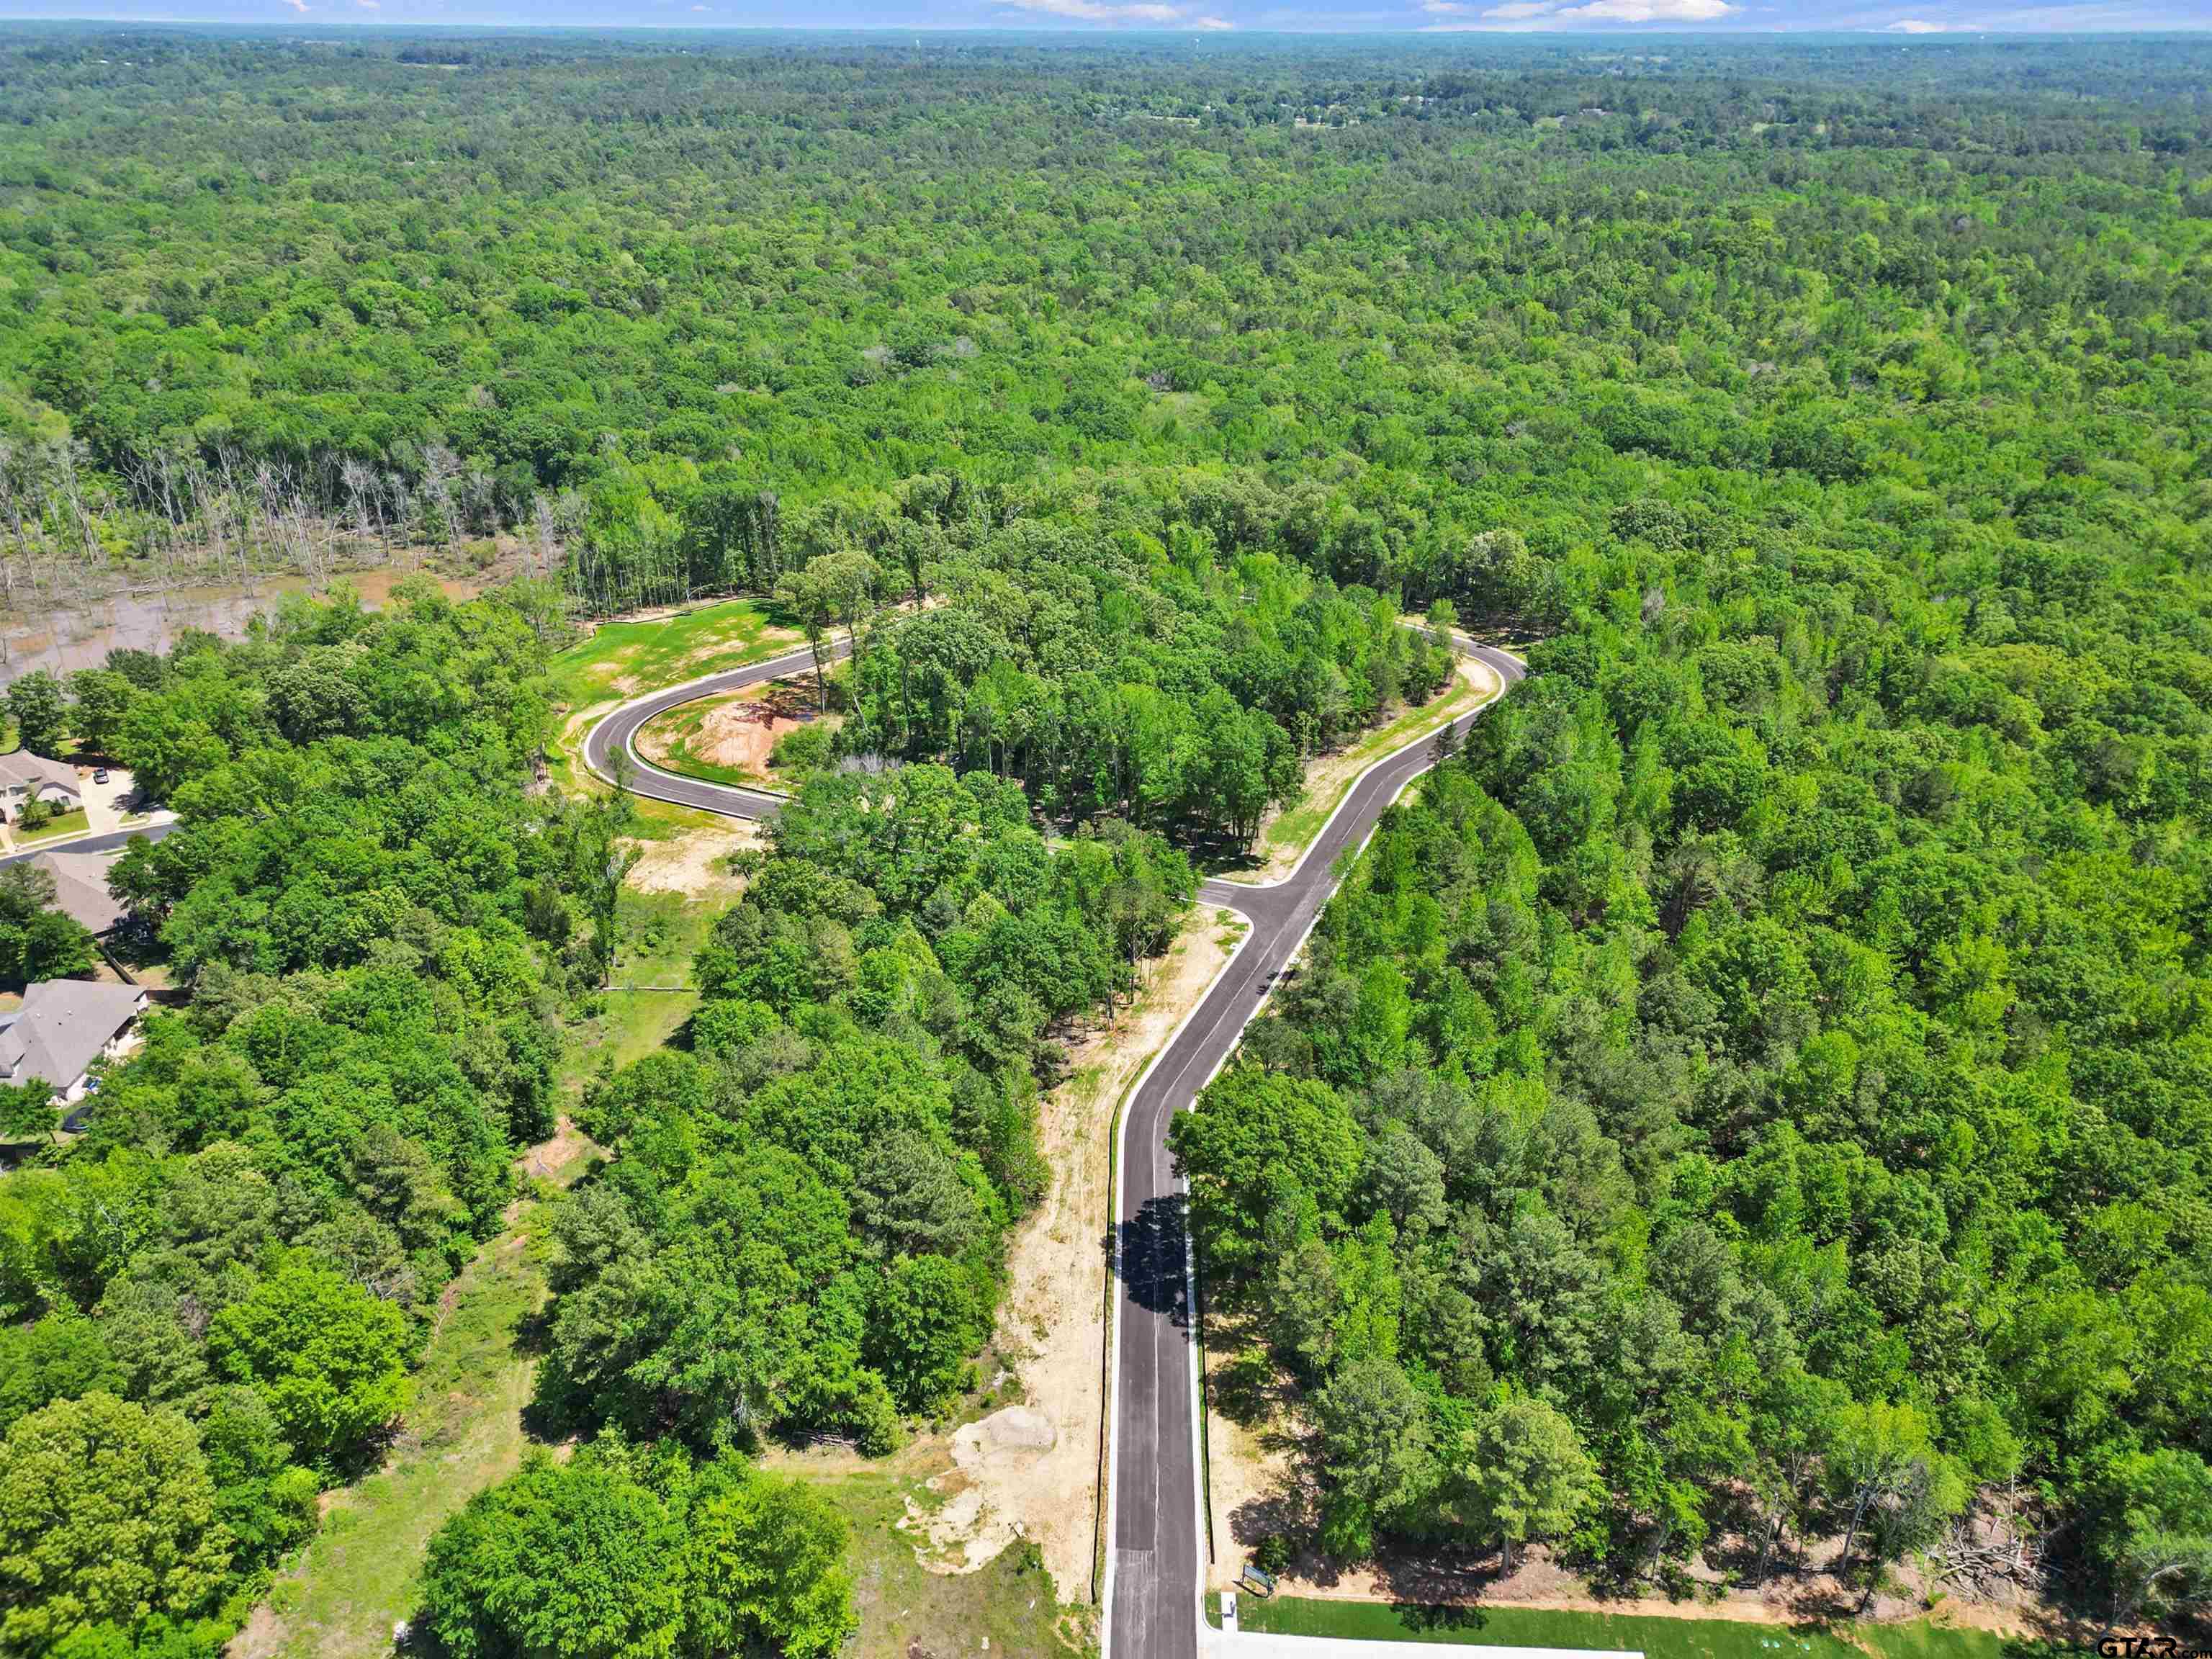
x,y
1759,1093
313,295
805,1231
213,1295
1157,650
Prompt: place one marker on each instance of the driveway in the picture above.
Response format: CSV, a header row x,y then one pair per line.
x,y
107,804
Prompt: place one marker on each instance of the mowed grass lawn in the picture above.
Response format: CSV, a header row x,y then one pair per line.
x,y
73,822
1655,1638
620,658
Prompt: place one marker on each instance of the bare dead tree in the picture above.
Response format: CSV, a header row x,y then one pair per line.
x,y
544,536
441,468
479,498
362,489
11,511
401,501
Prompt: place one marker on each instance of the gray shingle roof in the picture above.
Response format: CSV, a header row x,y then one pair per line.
x,y
20,766
61,1028
81,888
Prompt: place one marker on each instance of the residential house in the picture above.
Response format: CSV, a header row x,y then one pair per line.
x,y
62,1027
81,888
24,777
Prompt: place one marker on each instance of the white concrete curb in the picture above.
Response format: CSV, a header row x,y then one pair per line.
x,y
1352,789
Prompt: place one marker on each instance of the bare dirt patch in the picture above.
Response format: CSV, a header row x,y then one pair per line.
x,y
966,1532
693,863
549,1159
1481,675
1052,1324
263,1637
736,731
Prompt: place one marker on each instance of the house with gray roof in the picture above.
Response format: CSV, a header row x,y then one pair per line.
x,y
62,1027
24,777
81,888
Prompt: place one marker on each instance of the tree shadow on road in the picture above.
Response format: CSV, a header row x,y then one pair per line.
x,y
1150,1262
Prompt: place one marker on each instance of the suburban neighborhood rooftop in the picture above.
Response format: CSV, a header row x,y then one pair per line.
x,y
63,1025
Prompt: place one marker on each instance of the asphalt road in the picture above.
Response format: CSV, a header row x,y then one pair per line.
x,y
612,739
106,843
1155,1570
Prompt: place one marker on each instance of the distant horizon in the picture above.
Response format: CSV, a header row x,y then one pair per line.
x,y
1610,20
1131,31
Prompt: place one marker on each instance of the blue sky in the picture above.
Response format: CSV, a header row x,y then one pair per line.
x,y
1904,19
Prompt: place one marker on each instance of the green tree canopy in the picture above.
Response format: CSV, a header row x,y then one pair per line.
x,y
107,1515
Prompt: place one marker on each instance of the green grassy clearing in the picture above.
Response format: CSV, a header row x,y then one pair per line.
x,y
621,658
1655,1638
907,1612
464,1434
662,932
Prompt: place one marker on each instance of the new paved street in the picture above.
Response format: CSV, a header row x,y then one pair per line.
x,y
1155,1574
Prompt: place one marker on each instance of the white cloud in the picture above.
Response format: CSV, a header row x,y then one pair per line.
x,y
1443,8
1212,23
1100,11
1647,11
300,6
1918,26
1552,14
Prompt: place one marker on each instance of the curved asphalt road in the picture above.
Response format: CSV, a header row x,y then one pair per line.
x,y
1154,1572
612,741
